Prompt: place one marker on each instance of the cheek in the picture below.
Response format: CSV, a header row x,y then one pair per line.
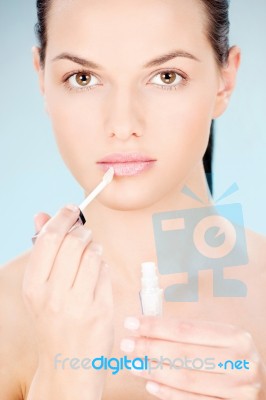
x,y
183,126
74,126
70,113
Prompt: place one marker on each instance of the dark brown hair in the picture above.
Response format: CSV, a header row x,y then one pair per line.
x,y
218,24
217,12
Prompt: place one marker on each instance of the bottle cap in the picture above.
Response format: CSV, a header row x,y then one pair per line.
x,y
148,270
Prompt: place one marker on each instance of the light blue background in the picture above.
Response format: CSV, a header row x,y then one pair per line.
x,y
33,177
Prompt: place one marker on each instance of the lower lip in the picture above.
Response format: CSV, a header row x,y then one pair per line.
x,y
128,168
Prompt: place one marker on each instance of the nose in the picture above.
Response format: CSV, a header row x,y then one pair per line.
x,y
124,115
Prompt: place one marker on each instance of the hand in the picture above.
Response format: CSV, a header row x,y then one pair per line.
x,y
190,343
67,290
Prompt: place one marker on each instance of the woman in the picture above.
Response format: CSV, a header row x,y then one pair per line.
x,y
135,83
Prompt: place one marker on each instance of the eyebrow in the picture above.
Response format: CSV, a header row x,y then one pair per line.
x,y
154,62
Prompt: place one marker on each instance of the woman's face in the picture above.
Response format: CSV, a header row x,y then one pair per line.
x,y
162,110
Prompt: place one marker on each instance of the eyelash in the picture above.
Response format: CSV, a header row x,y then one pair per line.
x,y
182,75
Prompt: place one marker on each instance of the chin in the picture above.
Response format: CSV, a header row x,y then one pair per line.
x,y
130,196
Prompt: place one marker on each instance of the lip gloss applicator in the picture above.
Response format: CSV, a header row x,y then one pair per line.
x,y
107,178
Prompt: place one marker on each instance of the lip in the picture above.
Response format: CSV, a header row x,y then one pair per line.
x,y
125,157
126,164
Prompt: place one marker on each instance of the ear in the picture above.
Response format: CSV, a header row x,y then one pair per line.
x,y
37,66
40,71
228,75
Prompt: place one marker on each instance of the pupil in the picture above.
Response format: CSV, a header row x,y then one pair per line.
x,y
169,77
83,79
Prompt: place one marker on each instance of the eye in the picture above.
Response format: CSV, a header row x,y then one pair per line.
x,y
168,78
81,79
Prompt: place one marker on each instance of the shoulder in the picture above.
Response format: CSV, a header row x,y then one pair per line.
x,y
253,274
12,272
255,279
14,327
251,267
11,278
256,252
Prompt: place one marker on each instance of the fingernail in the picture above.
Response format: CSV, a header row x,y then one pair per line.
x,y
72,207
127,345
152,387
35,216
35,219
106,267
257,385
132,323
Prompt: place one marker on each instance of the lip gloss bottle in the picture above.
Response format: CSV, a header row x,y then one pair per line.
x,y
151,296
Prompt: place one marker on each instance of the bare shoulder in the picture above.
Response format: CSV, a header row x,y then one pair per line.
x,y
256,250
253,270
251,266
256,283
255,276
12,272
14,327
11,278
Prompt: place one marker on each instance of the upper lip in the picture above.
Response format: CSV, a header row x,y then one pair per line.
x,y
125,157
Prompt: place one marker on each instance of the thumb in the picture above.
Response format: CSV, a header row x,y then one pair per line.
x,y
40,220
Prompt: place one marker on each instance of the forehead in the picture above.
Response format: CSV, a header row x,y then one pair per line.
x,y
119,28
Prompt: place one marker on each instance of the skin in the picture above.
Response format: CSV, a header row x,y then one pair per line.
x,y
129,111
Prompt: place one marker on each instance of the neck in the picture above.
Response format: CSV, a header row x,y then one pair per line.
x,y
127,236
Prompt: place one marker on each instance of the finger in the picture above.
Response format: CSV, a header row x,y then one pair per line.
x,y
47,245
40,220
194,381
88,273
68,258
192,331
103,294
